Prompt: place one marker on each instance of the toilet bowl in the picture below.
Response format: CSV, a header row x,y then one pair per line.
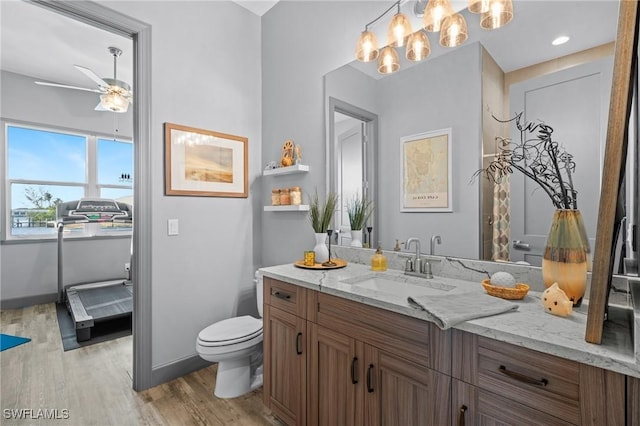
x,y
236,345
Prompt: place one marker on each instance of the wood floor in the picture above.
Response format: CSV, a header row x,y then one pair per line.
x,y
93,383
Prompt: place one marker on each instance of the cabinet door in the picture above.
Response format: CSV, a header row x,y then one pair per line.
x,y
399,392
285,375
335,378
474,406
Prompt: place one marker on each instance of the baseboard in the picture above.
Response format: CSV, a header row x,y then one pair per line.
x,y
177,369
23,302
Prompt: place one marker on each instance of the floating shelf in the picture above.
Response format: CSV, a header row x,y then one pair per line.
x,y
297,168
298,208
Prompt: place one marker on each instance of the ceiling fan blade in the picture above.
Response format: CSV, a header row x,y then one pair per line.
x,y
92,76
44,83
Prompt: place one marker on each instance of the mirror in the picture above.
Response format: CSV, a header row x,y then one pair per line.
x,y
462,88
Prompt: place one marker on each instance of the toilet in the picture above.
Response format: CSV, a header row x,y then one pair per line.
x,y
236,345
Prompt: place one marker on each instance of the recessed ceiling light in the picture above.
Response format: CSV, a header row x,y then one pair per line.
x,y
560,40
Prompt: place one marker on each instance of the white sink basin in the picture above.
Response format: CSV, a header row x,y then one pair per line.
x,y
400,286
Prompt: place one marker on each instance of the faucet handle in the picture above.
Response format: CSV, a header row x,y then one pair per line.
x,y
408,266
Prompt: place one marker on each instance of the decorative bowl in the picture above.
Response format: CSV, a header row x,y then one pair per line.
x,y
512,293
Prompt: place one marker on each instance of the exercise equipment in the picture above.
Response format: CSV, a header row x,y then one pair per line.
x,y
93,302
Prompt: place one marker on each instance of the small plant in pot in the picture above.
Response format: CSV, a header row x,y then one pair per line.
x,y
359,211
320,216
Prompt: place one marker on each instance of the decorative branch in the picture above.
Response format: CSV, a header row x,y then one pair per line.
x,y
539,158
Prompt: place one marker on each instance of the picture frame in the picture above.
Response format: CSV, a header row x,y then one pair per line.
x,y
204,163
425,172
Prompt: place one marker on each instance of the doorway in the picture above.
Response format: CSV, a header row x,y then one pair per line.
x,y
115,22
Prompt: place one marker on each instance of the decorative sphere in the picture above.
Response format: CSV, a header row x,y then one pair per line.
x,y
503,279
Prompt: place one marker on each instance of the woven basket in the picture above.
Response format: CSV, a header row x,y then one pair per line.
x,y
512,293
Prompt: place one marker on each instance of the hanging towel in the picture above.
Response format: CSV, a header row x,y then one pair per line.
x,y
447,311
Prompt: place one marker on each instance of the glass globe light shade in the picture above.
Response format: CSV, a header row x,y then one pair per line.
x,y
418,47
479,6
454,31
388,62
399,29
499,14
434,13
367,47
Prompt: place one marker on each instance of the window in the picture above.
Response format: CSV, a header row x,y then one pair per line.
x,y
46,167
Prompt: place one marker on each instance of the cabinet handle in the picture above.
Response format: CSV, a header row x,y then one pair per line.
x,y
283,296
462,415
354,366
298,344
369,378
523,378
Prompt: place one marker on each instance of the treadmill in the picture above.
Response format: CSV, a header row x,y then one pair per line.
x,y
94,302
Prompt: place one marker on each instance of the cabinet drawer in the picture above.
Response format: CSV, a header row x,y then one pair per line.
x,y
415,340
287,297
547,382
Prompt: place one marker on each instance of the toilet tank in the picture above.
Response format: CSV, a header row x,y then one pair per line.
x,y
259,295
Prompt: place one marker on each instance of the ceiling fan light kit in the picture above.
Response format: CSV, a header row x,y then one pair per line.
x,y
115,95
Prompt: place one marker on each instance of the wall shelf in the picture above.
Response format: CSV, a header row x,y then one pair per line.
x,y
297,168
297,208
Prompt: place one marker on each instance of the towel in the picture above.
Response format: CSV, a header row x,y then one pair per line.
x,y
450,310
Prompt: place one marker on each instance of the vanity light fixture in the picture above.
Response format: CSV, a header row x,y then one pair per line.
x,y
418,47
367,47
399,29
499,14
438,16
454,31
388,62
479,6
434,13
560,40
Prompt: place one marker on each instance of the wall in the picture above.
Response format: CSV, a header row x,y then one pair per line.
x,y
28,270
302,41
205,273
199,79
445,93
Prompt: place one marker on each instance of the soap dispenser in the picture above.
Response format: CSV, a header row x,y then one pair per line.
x,y
378,261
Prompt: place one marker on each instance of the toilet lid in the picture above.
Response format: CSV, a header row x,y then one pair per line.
x,y
236,329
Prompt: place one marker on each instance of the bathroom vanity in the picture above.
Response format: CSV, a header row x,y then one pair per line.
x,y
338,350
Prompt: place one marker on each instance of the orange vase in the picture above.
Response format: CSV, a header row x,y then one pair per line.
x,y
565,259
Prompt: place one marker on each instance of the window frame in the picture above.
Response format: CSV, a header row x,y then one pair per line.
x,y
91,186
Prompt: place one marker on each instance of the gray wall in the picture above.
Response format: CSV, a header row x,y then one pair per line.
x,y
199,79
299,48
29,269
293,101
445,93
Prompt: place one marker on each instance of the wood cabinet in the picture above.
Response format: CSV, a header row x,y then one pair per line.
x,y
500,383
333,361
285,354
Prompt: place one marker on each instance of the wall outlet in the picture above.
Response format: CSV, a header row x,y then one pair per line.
x,y
127,267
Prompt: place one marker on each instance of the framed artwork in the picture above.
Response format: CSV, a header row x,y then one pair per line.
x,y
425,172
204,163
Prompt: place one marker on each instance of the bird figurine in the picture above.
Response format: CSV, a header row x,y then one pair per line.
x,y
556,301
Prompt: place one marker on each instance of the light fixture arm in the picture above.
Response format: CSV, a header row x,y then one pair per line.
x,y
366,27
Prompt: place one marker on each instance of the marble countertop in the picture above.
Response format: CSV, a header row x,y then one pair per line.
x,y
529,326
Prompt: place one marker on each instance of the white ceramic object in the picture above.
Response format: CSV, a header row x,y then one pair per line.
x,y
356,238
503,279
322,252
236,345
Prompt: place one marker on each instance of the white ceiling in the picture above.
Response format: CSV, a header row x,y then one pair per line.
x,y
45,45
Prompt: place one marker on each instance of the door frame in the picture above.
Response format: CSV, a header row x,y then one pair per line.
x,y
107,19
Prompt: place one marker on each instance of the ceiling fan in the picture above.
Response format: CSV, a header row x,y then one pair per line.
x,y
115,95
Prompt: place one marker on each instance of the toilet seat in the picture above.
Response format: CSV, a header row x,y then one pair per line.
x,y
231,331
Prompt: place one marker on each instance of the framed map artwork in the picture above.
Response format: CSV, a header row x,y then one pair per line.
x,y
425,172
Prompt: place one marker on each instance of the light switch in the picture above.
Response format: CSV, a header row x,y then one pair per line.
x,y
172,227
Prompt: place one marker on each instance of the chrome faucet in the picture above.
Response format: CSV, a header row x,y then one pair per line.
x,y
434,239
417,267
